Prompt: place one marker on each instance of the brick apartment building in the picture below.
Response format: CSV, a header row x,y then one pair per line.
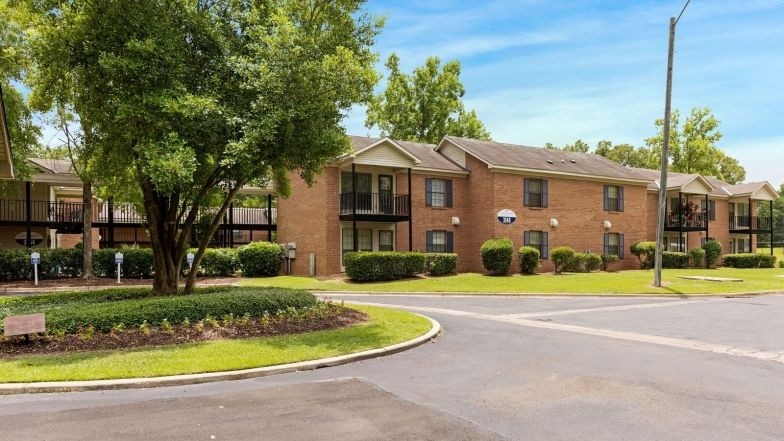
x,y
448,197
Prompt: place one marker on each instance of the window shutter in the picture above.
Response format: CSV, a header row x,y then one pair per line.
x,y
620,246
450,242
545,245
620,198
526,238
448,185
606,243
712,210
428,193
429,241
526,192
606,198
544,193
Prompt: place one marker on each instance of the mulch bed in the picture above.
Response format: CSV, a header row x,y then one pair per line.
x,y
338,317
111,282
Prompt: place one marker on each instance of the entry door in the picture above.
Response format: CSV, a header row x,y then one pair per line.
x,y
385,196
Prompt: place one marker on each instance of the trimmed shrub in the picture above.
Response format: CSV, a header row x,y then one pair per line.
x,y
440,264
674,259
260,259
221,262
137,262
561,257
584,263
712,253
781,264
153,310
749,260
15,264
529,259
645,252
608,259
371,266
64,262
697,257
497,255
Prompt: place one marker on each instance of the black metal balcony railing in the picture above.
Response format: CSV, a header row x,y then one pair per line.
x,y
762,223
59,212
375,204
683,220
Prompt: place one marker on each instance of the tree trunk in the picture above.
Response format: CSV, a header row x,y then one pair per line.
x,y
87,230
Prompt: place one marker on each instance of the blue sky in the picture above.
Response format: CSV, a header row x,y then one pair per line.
x,y
554,71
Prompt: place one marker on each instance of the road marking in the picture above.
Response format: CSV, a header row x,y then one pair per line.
x,y
716,348
602,308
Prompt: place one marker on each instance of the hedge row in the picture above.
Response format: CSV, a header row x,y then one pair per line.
x,y
103,316
697,257
584,263
440,264
255,259
674,259
749,260
372,266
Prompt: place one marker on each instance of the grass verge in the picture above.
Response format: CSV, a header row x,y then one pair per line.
x,y
386,327
622,283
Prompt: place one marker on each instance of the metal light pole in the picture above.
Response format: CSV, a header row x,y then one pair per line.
x,y
665,154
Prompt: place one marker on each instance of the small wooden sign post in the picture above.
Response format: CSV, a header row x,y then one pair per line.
x,y
24,325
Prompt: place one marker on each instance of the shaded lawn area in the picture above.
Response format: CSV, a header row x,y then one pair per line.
x,y
386,327
622,282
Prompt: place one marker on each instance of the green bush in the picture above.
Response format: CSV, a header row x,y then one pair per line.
x,y
153,310
137,262
583,263
372,266
561,257
497,255
221,262
260,259
64,262
440,264
712,253
529,259
781,264
607,259
674,259
645,252
15,264
697,257
749,260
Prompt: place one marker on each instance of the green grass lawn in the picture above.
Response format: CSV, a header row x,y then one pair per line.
x,y
386,327
622,282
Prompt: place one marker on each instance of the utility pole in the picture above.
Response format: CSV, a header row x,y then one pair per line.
x,y
665,154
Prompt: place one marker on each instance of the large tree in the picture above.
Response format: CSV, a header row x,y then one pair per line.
x,y
693,146
425,105
190,100
627,154
778,219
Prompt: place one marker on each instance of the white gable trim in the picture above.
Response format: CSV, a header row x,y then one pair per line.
x,y
393,143
452,142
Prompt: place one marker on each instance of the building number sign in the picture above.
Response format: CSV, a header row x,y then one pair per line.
x,y
506,216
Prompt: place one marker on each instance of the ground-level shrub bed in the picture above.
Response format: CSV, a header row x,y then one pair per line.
x,y
372,266
322,316
749,260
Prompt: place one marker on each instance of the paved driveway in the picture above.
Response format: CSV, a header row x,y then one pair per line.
x,y
513,368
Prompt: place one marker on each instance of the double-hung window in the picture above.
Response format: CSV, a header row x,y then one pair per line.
x,y
535,192
438,192
613,244
364,240
439,241
385,240
539,240
613,198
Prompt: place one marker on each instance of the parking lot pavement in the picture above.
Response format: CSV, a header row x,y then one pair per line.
x,y
495,367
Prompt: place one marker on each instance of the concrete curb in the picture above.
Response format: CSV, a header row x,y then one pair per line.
x,y
210,377
534,294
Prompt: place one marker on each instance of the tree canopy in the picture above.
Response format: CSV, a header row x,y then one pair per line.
x,y
692,148
190,100
425,105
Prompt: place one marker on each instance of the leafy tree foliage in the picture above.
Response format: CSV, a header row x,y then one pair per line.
x,y
627,154
190,100
778,218
424,106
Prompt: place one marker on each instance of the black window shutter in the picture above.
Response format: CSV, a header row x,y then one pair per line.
x,y
428,192
450,248
606,198
620,246
448,186
544,193
606,243
526,238
429,241
545,245
620,198
526,192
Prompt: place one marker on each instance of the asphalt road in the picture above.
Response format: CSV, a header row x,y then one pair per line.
x,y
503,368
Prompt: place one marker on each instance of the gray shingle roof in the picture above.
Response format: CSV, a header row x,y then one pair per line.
x,y
500,154
56,166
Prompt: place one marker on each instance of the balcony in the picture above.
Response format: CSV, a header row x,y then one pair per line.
x,y
746,224
375,207
675,221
